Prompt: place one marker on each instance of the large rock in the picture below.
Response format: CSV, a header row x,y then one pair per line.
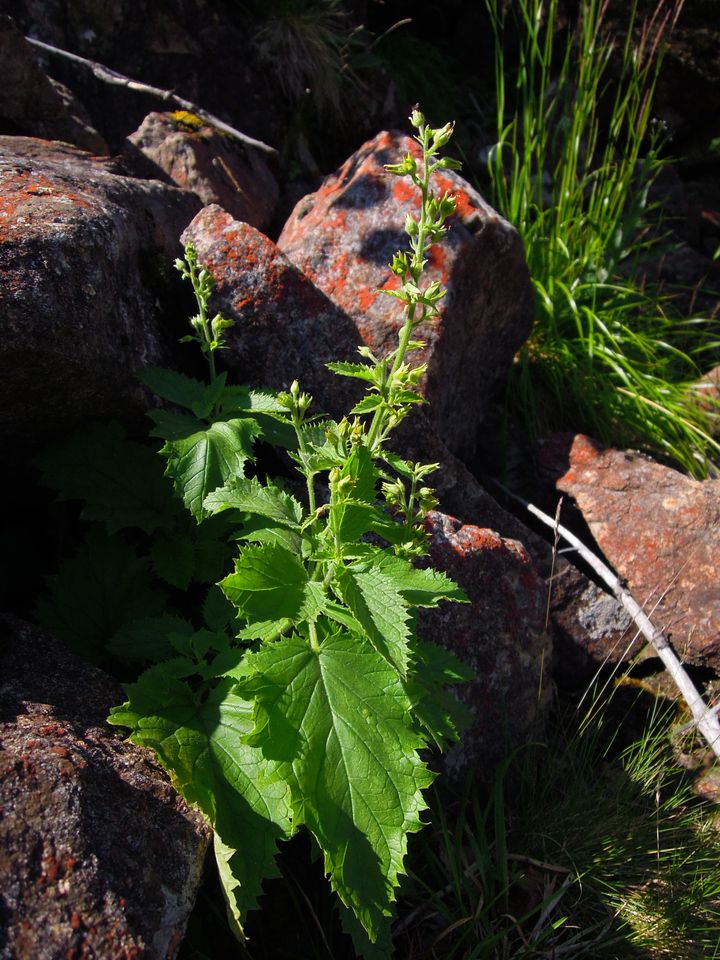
x,y
285,328
32,104
500,634
83,253
344,236
98,854
658,528
196,157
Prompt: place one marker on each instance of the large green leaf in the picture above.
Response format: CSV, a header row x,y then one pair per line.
x,y
338,722
104,586
121,482
208,459
235,785
378,606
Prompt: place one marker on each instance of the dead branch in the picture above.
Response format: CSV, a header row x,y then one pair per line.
x,y
704,718
118,79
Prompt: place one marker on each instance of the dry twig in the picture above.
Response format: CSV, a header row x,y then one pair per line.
x,y
704,718
112,76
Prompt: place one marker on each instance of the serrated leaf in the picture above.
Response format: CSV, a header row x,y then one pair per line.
x,y
121,482
268,584
235,786
104,586
184,391
208,459
352,519
217,611
148,640
280,535
251,496
264,629
360,469
403,467
368,404
242,399
171,425
360,371
443,716
377,605
337,722
418,587
173,560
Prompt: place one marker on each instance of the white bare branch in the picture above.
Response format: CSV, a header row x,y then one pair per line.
x,y
112,76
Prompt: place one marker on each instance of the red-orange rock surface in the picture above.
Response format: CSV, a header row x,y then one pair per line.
x,y
344,236
658,528
286,329
500,635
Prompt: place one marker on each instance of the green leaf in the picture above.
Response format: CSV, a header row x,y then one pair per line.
x,y
218,613
263,534
442,715
337,722
121,482
173,560
171,425
360,371
251,496
208,459
352,519
148,640
360,468
243,399
235,786
268,583
184,391
420,588
104,586
368,404
377,605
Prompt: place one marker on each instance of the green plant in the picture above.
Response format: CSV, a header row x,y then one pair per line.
x,y
575,157
307,698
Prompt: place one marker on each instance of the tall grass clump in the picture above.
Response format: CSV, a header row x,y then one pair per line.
x,y
576,154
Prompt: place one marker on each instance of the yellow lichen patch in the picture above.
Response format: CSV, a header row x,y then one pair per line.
x,y
190,121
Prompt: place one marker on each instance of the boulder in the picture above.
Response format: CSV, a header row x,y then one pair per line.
x,y
196,157
658,528
501,635
99,855
32,104
84,254
343,238
285,328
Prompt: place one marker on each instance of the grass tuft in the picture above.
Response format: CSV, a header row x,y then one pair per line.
x,y
576,154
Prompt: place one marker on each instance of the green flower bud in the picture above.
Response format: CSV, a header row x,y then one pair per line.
x,y
417,119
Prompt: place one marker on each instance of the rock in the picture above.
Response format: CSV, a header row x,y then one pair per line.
x,y
32,104
659,529
344,236
83,254
99,856
196,157
285,328
500,635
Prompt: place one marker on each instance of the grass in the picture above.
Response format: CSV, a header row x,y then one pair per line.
x,y
598,852
576,154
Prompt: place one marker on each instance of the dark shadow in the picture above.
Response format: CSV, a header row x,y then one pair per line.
x,y
381,245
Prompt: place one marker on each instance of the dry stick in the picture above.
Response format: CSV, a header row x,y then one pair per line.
x,y
112,76
706,719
